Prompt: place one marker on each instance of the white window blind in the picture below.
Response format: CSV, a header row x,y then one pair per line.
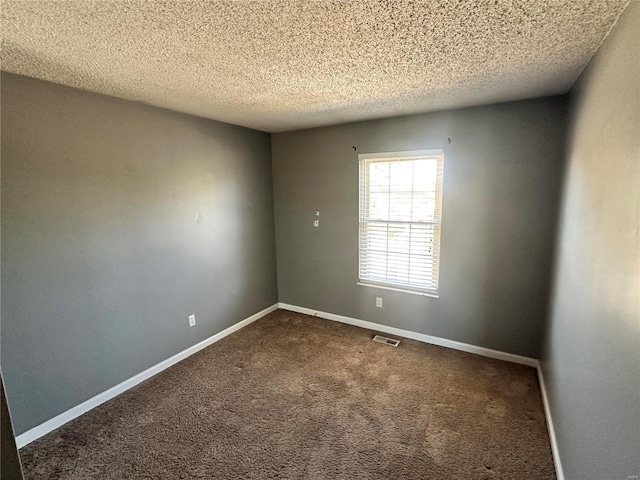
x,y
400,215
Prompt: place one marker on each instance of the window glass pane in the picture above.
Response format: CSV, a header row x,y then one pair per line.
x,y
378,176
401,174
399,231
379,206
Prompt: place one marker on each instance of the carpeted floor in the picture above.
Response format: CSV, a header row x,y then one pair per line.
x,y
294,396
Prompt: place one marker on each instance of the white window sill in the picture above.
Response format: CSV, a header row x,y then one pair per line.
x,y
399,289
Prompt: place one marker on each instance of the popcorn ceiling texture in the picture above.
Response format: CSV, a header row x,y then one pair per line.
x,y
279,65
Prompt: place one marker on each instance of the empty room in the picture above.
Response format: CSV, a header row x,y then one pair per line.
x,y
320,239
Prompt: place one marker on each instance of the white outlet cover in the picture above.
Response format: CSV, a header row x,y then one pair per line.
x,y
378,302
316,223
192,320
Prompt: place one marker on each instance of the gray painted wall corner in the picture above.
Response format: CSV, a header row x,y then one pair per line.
x,y
502,179
591,358
118,221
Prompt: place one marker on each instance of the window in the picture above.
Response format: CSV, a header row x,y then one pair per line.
x,y
400,214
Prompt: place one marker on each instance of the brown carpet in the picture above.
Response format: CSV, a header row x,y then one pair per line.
x,y
294,396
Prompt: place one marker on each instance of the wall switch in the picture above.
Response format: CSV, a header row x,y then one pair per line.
x,y
378,302
316,223
192,320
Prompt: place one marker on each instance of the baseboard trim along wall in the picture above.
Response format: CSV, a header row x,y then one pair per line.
x,y
552,433
59,420
421,337
56,422
443,342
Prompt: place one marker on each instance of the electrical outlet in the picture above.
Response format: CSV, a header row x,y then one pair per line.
x,y
316,223
378,302
192,320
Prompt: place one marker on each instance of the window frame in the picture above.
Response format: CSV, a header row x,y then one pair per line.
x,y
437,223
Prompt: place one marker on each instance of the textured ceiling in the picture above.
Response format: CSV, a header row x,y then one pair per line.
x,y
278,65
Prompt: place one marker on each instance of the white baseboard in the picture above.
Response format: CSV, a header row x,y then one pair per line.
x,y
59,420
50,425
552,433
421,337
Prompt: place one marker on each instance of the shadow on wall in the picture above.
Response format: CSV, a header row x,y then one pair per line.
x,y
506,214
118,223
520,243
10,464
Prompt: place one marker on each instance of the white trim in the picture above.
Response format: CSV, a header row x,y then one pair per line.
x,y
405,154
59,420
398,289
552,433
56,422
370,256
421,337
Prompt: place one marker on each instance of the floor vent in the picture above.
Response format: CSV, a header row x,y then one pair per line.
x,y
386,341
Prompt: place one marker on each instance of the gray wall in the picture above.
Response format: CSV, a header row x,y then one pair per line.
x,y
102,256
501,191
591,362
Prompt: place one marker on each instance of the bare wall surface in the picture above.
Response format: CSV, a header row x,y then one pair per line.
x,y
591,362
118,221
501,188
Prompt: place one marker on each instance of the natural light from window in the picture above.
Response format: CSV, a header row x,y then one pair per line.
x,y
400,216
